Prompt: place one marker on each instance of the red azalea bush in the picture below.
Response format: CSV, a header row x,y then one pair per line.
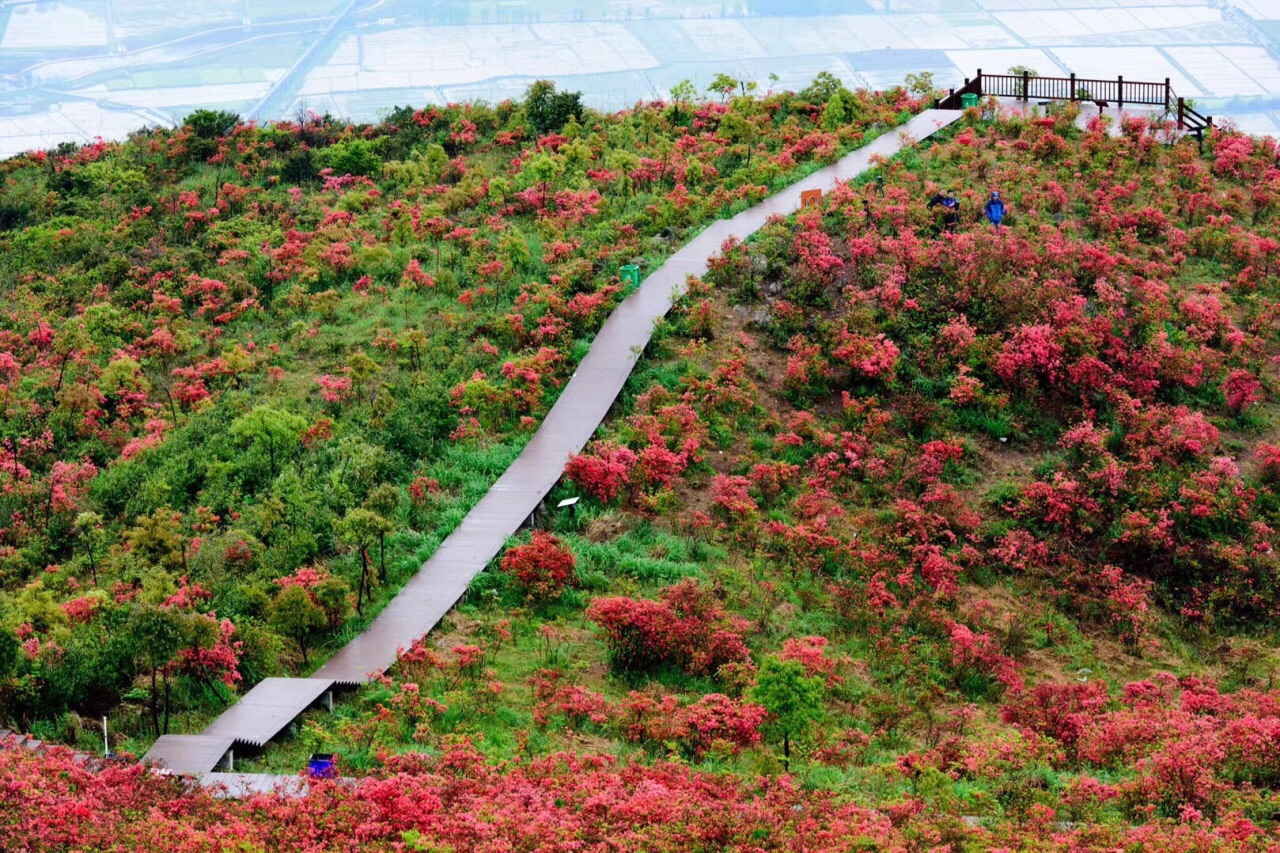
x,y
543,568
686,628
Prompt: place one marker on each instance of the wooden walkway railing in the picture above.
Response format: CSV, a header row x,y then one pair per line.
x,y
1118,92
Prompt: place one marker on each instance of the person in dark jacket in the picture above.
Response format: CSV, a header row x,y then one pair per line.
x,y
950,209
995,209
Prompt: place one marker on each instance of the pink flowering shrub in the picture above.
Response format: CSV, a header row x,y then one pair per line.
x,y
543,568
686,628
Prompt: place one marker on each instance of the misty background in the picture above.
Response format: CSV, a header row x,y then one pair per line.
x,y
73,70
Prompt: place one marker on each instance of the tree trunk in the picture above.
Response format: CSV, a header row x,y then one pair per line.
x,y
382,558
167,703
155,703
364,573
173,410
786,751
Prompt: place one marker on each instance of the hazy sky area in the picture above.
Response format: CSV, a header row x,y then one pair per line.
x,y
78,69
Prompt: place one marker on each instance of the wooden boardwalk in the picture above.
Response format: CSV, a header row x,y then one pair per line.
x,y
577,413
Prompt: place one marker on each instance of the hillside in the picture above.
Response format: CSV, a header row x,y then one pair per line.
x,y
900,538
242,359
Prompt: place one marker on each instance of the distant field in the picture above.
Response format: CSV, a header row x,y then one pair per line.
x,y
1271,28
248,63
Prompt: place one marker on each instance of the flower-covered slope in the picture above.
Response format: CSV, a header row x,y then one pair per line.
x,y
901,539
250,376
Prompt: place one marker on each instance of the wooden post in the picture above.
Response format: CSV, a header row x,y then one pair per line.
x,y
979,82
1026,86
1182,113
1168,91
1072,94
1120,93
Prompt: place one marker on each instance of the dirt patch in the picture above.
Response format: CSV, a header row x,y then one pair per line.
x,y
998,461
455,630
608,527
587,744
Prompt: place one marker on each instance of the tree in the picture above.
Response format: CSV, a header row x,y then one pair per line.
x,y
295,615
682,94
353,157
360,528
822,89
156,540
793,698
542,170
9,650
548,110
1022,71
156,635
835,114
208,126
383,501
89,533
921,85
333,596
436,161
741,132
211,124
274,431
723,85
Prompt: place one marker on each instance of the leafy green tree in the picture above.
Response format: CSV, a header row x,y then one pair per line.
x,y
89,534
921,85
208,127
384,501
742,132
793,698
543,170
333,596
1020,71
548,110
156,635
835,114
295,615
723,85
8,653
353,157
157,541
211,124
683,94
360,528
274,431
436,161
822,89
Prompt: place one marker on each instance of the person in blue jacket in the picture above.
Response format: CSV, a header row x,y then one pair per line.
x,y
950,209
995,209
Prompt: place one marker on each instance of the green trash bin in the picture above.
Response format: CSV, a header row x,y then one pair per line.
x,y
631,275
968,100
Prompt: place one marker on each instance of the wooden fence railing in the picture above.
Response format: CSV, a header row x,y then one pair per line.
x,y
1118,92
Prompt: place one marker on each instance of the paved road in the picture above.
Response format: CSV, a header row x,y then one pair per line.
x,y
581,407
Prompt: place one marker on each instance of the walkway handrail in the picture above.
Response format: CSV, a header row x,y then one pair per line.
x,y
1117,92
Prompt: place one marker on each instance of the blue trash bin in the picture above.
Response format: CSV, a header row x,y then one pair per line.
x,y
322,766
